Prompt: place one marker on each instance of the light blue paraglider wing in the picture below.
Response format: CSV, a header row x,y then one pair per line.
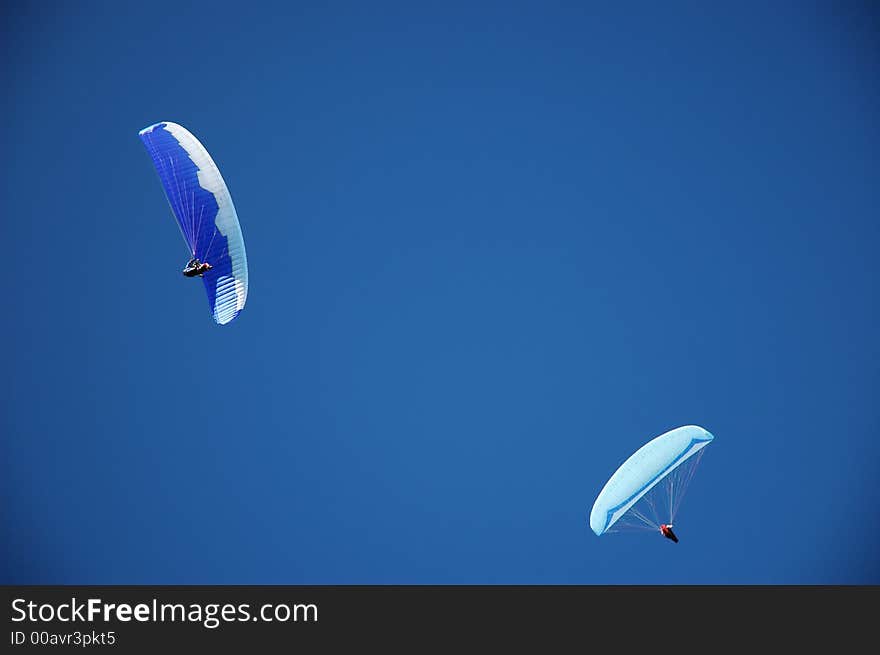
x,y
642,471
202,205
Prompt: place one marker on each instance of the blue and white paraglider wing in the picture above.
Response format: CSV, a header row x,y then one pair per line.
x,y
659,459
203,207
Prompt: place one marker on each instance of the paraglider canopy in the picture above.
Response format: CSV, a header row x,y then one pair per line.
x,y
202,205
658,473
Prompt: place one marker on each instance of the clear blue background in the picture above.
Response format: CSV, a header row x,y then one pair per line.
x,y
493,248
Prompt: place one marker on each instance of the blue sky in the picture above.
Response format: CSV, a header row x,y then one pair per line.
x,y
493,249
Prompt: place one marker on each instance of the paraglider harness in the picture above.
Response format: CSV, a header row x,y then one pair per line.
x,y
195,267
666,531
